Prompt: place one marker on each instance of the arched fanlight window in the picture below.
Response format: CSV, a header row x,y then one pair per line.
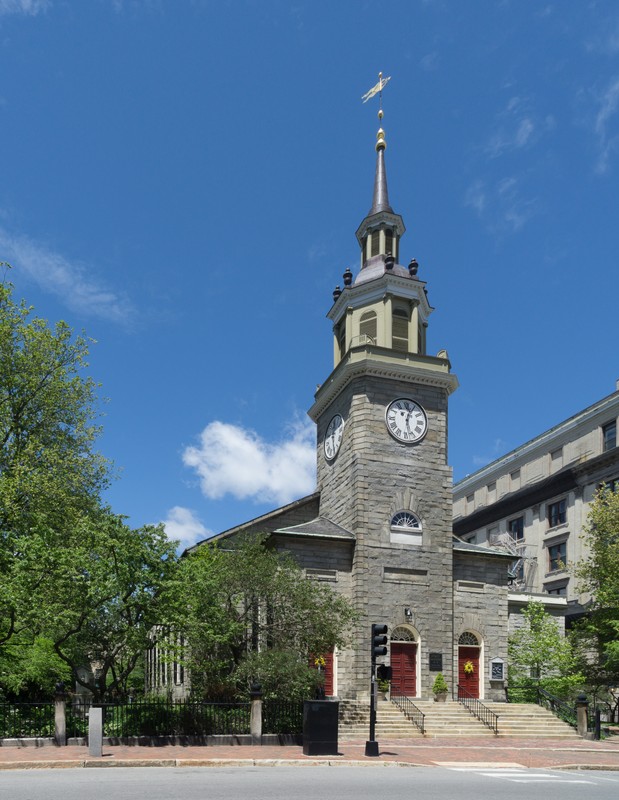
x,y
469,639
402,634
405,521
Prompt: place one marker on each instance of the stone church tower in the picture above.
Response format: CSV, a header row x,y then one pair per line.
x,y
382,456
379,526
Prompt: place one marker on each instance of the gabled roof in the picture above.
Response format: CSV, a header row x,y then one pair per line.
x,y
266,522
476,549
318,528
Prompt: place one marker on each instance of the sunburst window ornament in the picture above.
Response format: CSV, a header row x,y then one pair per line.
x,y
405,520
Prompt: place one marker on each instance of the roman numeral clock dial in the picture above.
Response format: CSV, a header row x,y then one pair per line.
x,y
406,420
333,437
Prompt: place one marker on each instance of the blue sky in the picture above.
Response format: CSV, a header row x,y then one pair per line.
x,y
183,179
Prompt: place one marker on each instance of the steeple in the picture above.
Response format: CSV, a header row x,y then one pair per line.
x,y
380,231
380,201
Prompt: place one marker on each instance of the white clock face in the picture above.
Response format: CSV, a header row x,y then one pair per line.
x,y
406,420
333,436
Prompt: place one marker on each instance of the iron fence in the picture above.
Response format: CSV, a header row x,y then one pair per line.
x,y
164,718
26,720
282,716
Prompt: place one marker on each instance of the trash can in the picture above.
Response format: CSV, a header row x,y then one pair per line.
x,y
320,721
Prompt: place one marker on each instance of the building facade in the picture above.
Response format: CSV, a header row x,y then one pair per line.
x,y
535,502
379,527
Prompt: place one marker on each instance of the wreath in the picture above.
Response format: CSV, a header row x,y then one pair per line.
x,y
319,662
469,668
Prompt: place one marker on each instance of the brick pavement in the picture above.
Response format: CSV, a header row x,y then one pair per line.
x,y
577,754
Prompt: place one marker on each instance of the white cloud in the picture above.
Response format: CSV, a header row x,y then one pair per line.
x,y
608,140
236,461
69,281
30,7
182,524
501,205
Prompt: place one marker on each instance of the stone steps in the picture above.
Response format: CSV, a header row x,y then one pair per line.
x,y
451,719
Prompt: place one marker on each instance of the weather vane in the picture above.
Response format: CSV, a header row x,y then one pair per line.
x,y
378,89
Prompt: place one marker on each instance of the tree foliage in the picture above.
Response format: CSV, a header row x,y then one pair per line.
x,y
597,635
78,587
246,612
540,653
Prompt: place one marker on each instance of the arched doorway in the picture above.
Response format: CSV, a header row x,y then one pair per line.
x,y
469,648
403,662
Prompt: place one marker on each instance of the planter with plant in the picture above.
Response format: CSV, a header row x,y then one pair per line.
x,y
440,688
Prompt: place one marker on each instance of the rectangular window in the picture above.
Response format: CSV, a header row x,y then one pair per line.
x,y
557,513
557,556
493,534
491,492
516,528
514,480
470,502
609,435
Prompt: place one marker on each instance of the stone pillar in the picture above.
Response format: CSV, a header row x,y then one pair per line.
x,y
95,732
582,714
60,718
255,720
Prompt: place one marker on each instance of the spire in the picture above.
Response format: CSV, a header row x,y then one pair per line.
x,y
380,200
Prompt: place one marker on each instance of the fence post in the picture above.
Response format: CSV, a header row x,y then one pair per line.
x,y
582,707
255,719
60,715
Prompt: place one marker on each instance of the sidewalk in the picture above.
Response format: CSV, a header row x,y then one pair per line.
x,y
579,754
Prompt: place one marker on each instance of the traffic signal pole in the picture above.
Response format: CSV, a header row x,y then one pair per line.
x,y
378,648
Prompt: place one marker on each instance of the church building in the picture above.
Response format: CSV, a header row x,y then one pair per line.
x,y
379,526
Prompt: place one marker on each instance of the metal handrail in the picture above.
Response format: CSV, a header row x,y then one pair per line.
x,y
558,707
410,710
478,709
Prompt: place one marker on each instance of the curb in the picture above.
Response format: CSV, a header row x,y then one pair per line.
x,y
248,762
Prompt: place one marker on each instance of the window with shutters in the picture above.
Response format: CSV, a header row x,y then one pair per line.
x,y
375,243
389,241
399,330
367,327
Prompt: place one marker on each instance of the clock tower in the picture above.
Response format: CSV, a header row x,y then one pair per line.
x,y
383,476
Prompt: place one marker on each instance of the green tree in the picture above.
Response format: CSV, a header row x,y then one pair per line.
x,y
596,636
539,654
50,474
78,587
246,612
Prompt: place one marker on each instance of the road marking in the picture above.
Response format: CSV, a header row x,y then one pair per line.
x,y
519,774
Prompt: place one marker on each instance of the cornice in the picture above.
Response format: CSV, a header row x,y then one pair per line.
x,y
373,290
379,362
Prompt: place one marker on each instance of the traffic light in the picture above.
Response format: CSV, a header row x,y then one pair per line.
x,y
383,672
379,640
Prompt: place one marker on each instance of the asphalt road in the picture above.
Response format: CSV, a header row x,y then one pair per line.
x,y
306,783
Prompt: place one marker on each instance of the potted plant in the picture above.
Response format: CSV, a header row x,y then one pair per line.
x,y
383,688
440,688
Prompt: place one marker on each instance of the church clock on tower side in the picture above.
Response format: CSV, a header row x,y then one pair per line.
x,y
382,453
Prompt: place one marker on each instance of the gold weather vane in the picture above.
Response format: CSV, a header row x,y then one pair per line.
x,y
377,90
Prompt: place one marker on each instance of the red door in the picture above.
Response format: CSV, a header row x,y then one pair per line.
x,y
326,670
468,680
404,669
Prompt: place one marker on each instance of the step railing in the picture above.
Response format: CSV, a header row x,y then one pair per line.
x,y
478,709
410,710
559,708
